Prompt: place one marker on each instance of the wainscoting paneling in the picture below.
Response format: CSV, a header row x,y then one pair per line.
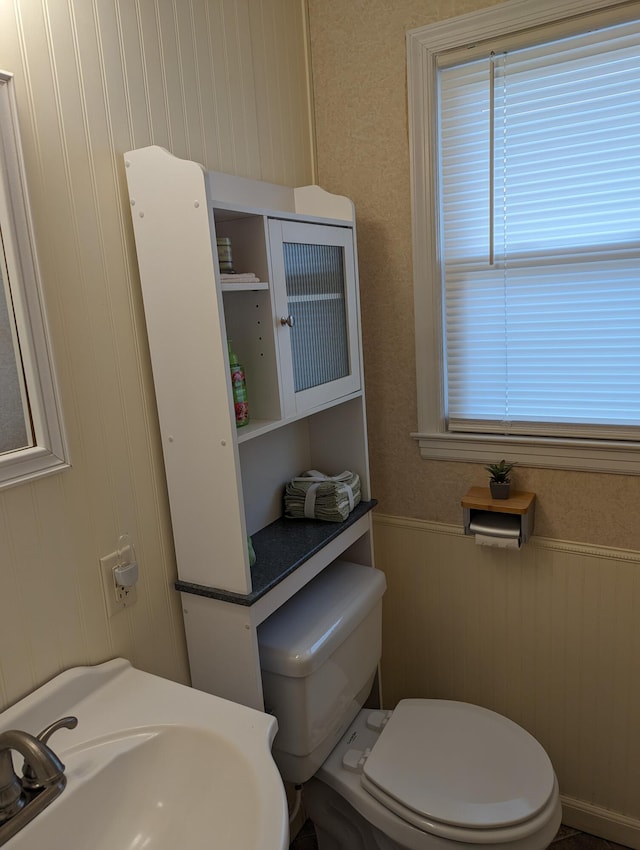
x,y
224,82
547,635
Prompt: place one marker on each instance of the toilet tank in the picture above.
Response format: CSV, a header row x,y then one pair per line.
x,y
319,655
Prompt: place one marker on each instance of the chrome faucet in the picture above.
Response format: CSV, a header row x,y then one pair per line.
x,y
42,780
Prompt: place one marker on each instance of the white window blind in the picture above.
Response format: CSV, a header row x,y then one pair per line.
x,y
540,212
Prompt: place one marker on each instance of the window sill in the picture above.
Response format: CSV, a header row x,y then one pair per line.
x,y
547,452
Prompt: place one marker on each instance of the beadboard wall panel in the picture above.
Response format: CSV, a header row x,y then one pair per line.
x,y
284,134
95,78
546,635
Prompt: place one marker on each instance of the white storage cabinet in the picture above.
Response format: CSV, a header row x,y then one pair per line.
x,y
297,333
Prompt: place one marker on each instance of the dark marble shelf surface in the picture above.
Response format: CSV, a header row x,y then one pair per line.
x,y
280,549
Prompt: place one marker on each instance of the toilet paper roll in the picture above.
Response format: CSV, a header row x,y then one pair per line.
x,y
497,542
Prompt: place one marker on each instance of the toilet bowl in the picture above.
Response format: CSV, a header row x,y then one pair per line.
x,y
429,775
435,786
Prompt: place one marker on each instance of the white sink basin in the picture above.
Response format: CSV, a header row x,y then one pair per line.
x,y
152,765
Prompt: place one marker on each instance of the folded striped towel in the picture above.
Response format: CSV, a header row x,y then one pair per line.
x,y
239,277
314,495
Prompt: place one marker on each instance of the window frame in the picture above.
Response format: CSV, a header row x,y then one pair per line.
x,y
49,452
474,32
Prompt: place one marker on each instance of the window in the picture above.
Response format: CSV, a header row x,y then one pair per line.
x,y
31,436
526,152
15,419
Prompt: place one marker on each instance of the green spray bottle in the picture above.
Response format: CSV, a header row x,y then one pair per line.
x,y
239,389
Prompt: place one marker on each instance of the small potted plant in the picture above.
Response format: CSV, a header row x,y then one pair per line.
x,y
500,482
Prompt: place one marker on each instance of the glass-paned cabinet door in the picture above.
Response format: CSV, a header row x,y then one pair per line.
x,y
315,299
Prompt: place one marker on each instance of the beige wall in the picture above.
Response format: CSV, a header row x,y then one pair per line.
x,y
547,635
223,82
359,72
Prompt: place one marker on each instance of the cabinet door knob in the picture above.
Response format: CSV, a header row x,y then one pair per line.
x,y
287,320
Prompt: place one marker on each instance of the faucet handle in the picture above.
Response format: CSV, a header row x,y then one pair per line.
x,y
69,722
29,778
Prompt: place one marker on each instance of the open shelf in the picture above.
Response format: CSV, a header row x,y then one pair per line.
x,y
244,287
281,548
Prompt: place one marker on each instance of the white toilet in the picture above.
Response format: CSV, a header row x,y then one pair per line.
x,y
429,774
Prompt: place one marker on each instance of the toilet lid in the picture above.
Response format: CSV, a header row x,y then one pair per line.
x,y
458,764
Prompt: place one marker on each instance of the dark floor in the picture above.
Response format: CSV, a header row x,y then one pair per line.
x,y
566,839
570,839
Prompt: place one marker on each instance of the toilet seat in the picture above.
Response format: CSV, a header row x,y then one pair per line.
x,y
458,764
361,751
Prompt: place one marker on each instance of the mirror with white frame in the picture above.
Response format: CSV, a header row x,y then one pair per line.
x,y
32,439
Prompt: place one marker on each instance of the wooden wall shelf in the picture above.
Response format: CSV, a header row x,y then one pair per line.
x,y
519,502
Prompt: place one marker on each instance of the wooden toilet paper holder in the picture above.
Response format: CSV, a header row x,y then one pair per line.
x,y
477,502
